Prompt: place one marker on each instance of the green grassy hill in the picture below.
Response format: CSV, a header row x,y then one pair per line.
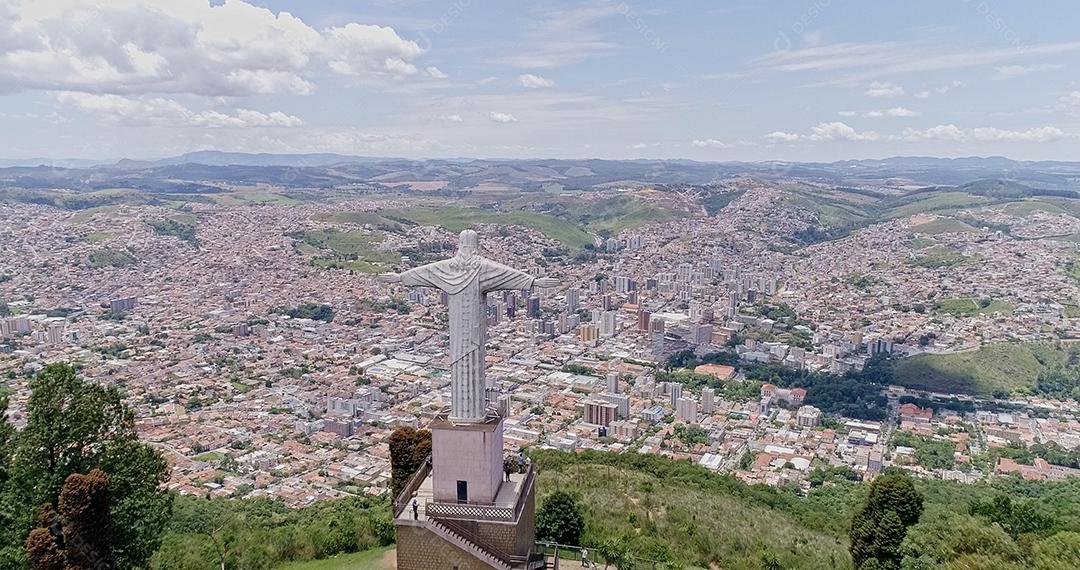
x,y
1001,366
376,559
455,219
679,512
684,514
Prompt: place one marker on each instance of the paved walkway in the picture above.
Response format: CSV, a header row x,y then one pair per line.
x,y
507,496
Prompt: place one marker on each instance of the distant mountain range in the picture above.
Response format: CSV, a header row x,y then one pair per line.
x,y
325,170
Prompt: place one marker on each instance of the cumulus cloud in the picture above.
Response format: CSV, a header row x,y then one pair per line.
x,y
952,132
185,46
535,81
781,136
884,89
453,118
901,112
710,143
824,132
893,112
161,111
502,117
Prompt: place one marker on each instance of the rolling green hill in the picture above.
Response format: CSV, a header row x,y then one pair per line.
x,y
682,513
455,218
1000,366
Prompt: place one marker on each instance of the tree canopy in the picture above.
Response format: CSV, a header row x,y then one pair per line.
x,y
878,529
560,519
76,427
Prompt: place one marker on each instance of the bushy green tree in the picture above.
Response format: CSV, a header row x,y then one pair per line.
x,y
75,427
560,519
878,529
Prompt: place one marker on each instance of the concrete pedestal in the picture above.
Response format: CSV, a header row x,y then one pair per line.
x,y
467,460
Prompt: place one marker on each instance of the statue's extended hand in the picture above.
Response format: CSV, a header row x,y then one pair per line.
x,y
390,278
546,282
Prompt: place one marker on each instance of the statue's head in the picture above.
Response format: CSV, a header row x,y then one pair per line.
x,y
468,243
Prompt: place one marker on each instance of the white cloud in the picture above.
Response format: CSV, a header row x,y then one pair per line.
x,y
880,89
940,90
781,136
710,143
185,46
824,132
839,131
893,112
901,112
856,63
1070,103
453,118
502,117
160,111
558,37
534,81
1010,71
951,132
435,73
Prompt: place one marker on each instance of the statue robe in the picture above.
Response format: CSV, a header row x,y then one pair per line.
x,y
466,282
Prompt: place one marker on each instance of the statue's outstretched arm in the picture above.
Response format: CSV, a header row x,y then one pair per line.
x,y
416,277
497,276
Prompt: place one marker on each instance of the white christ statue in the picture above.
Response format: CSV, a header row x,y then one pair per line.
x,y
466,279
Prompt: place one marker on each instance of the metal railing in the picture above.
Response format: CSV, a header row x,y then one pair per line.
x,y
414,483
484,511
468,511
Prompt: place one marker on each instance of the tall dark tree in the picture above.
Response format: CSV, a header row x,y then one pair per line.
x,y
408,449
79,536
878,529
74,427
560,519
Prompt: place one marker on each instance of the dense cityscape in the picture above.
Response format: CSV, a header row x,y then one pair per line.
x,y
261,373
547,285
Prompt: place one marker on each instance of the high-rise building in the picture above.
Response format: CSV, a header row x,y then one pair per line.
x,y
809,417
121,305
573,299
342,428
701,334
656,326
624,284
589,333
621,401
686,410
613,383
504,405
56,333
608,324
708,401
624,430
21,325
675,391
600,413
643,321
342,407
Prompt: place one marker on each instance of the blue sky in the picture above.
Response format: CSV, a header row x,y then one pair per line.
x,y
742,80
